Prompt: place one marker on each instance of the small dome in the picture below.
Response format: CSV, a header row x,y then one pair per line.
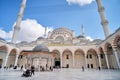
x,y
40,38
2,39
41,48
80,36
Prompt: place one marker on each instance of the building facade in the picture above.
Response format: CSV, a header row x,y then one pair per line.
x,y
62,49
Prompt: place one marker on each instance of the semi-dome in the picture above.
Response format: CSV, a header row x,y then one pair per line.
x,y
40,38
62,29
41,48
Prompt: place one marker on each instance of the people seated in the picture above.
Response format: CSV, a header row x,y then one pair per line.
x,y
26,73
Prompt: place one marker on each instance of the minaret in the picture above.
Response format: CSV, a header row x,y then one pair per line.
x,y
104,21
17,26
45,32
83,32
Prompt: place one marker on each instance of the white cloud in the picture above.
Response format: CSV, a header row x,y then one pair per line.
x,y
89,38
30,30
5,35
80,2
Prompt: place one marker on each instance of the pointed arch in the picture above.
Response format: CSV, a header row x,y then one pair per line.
x,y
79,57
102,58
22,59
3,54
107,46
67,58
4,48
110,54
57,61
12,57
92,51
92,58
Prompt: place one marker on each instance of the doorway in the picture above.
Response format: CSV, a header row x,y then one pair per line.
x,y
57,64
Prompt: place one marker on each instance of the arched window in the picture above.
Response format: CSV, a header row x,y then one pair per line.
x,y
67,56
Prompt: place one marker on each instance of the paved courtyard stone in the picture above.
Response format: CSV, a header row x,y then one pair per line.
x,y
63,74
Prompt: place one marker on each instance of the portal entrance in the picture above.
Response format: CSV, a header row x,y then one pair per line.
x,y
57,63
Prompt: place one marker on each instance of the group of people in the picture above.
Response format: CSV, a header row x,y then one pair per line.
x,y
42,68
28,72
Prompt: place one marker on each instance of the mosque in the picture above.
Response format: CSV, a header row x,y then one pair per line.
x,y
61,48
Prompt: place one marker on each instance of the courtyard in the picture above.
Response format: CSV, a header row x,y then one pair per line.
x,y
63,74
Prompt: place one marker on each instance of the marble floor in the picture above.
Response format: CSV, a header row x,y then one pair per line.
x,y
63,74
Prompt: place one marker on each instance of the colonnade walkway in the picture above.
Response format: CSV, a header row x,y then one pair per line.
x,y
63,74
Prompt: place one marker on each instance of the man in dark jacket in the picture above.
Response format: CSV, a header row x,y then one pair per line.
x,y
32,70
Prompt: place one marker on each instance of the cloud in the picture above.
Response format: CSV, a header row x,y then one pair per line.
x,y
5,35
89,38
30,30
80,2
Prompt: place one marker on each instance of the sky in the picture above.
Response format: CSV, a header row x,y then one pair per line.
x,y
52,14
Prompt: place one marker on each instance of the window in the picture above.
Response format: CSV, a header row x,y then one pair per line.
x,y
87,56
91,65
101,55
90,56
88,65
20,56
67,56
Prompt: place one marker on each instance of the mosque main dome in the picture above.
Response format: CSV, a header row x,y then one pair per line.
x,y
62,31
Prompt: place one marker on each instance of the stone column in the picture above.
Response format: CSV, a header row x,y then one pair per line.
x,y
106,58
16,59
51,62
116,57
61,60
6,59
99,60
86,61
73,60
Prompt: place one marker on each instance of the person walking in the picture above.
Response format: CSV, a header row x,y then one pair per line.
x,y
32,70
21,68
82,68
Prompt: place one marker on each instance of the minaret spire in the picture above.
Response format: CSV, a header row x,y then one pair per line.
x,y
83,32
104,21
17,26
45,32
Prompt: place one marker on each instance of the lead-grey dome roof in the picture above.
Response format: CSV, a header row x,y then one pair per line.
x,y
2,39
41,48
